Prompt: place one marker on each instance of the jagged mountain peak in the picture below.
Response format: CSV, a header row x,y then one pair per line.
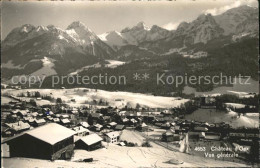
x,y
138,27
26,28
238,20
113,38
51,27
141,25
80,28
83,33
242,8
182,25
76,24
206,18
156,28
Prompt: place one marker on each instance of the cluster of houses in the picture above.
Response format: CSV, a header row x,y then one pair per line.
x,y
39,132
46,133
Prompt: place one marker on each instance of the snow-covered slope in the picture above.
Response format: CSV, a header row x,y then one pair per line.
x,y
47,69
113,39
232,118
126,98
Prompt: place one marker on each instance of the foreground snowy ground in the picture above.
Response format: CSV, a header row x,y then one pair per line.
x,y
125,157
116,99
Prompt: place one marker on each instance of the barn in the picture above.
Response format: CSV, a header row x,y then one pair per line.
x,y
51,141
169,136
120,127
89,142
212,136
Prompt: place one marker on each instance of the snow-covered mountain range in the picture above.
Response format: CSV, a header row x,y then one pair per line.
x,y
206,27
77,46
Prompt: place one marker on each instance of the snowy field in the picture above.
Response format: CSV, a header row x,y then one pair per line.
x,y
5,100
116,99
111,64
47,69
132,136
212,116
251,88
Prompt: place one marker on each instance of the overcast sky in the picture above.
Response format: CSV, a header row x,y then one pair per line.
x,y
107,16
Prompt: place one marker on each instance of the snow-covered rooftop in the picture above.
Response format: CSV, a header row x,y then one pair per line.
x,y
84,124
56,119
80,129
50,133
65,121
113,134
98,126
113,123
18,125
40,121
91,139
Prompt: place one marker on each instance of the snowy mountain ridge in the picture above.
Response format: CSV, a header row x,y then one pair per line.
x,y
78,46
204,28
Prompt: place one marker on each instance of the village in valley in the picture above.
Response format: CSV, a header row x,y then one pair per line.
x,y
58,127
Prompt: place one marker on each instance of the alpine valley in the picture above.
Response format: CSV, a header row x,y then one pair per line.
x,y
209,45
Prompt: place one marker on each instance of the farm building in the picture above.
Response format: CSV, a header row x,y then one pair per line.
x,y
22,113
107,119
96,115
65,122
39,122
169,137
34,114
143,127
84,124
212,136
81,131
120,127
112,137
133,121
56,120
89,142
18,127
196,135
7,132
64,116
125,120
201,129
51,141
98,127
113,124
